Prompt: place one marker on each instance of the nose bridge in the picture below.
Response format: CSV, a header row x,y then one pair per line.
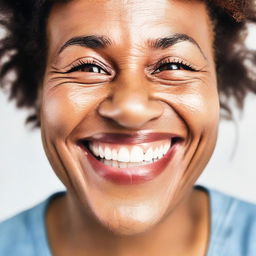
x,y
130,104
131,90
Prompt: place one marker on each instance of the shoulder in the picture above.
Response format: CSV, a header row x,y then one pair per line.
x,y
15,235
24,234
233,225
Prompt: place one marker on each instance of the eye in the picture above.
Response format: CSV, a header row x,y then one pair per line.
x,y
88,66
173,65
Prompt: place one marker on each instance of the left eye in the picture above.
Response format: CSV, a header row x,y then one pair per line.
x,y
86,67
173,66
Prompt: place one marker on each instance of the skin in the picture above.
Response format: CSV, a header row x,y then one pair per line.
x,y
165,216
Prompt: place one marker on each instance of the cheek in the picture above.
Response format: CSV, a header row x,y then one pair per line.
x,y
198,105
63,109
199,110
202,109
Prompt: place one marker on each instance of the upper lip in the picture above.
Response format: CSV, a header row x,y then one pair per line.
x,y
130,138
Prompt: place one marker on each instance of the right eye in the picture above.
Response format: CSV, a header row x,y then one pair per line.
x,y
88,66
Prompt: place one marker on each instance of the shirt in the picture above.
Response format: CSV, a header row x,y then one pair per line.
x,y
233,229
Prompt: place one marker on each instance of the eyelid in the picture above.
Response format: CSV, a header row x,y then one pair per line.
x,y
169,59
88,60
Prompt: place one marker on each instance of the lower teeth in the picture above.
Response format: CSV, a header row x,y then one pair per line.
x,y
124,164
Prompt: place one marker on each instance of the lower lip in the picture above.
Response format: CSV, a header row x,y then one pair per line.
x,y
133,175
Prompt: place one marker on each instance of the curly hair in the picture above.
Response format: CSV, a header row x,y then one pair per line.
x,y
25,46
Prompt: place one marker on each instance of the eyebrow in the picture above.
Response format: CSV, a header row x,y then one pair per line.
x,y
100,42
92,41
166,42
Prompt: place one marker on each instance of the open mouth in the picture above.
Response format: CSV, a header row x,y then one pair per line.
x,y
125,156
126,161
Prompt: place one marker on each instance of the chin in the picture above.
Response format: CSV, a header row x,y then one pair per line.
x,y
129,221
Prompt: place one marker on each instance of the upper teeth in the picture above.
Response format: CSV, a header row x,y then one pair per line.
x,y
126,153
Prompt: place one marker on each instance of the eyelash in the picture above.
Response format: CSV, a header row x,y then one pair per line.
x,y
184,65
84,63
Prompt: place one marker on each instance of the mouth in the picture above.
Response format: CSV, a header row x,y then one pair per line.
x,y
129,158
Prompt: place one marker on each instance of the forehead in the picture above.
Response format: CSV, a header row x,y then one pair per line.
x,y
127,21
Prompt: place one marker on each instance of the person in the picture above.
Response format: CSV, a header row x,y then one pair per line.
x,y
127,95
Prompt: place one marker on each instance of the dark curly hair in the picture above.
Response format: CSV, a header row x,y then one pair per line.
x,y
23,49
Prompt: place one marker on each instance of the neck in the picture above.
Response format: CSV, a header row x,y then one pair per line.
x,y
183,231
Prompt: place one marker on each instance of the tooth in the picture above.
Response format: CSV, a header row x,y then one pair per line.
x,y
123,155
163,150
114,154
155,153
108,153
166,147
160,152
136,154
114,163
101,152
149,155
122,165
95,150
132,164
107,162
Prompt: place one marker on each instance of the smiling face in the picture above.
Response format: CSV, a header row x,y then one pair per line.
x,y
130,108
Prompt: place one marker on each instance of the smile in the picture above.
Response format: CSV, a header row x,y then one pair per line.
x,y
124,156
129,159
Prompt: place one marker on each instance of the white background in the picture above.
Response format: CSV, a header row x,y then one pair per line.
x,y
26,177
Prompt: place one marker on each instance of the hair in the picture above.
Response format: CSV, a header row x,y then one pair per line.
x,y
23,50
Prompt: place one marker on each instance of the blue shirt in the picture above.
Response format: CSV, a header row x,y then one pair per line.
x,y
233,229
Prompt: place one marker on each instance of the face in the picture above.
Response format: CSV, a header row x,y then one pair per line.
x,y
129,106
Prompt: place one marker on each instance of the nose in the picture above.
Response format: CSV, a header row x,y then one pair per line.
x,y
130,104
